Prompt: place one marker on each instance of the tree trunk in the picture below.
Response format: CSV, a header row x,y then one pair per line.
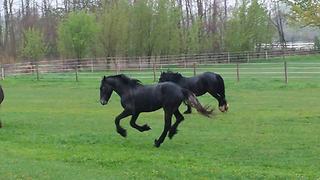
x,y
12,32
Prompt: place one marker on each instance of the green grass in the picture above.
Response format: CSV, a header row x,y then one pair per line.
x,y
57,130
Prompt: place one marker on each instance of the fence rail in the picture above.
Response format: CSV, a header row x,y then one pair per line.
x,y
230,65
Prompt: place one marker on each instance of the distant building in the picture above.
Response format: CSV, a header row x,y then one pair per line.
x,y
289,45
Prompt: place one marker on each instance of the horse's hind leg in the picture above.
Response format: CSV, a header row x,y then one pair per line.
x,y
122,115
167,125
189,110
173,130
136,126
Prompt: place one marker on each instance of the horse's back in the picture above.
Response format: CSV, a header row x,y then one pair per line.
x,y
211,76
152,97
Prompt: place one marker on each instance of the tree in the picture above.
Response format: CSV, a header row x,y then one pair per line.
x,y
249,27
306,12
140,28
278,22
76,34
316,43
259,27
34,48
165,28
113,33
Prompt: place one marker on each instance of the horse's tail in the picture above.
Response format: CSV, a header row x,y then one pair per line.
x,y
192,100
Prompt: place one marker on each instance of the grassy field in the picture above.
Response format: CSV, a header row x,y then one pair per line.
x,y
58,130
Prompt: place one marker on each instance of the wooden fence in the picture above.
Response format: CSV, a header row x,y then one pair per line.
x,y
235,65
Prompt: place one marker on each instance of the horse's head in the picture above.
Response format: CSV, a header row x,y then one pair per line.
x,y
105,91
170,76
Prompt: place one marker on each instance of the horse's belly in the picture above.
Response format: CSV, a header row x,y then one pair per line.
x,y
200,93
147,104
150,109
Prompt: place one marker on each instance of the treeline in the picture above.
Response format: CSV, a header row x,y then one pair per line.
x,y
104,28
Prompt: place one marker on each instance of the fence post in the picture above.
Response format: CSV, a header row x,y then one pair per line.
x,y
117,66
2,73
266,55
248,57
91,65
154,72
238,73
140,64
194,69
37,69
76,69
286,72
228,57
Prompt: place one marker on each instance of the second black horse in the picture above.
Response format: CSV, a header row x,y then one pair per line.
x,y
207,82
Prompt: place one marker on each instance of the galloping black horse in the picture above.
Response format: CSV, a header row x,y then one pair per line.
x,y
1,95
1,99
199,85
137,98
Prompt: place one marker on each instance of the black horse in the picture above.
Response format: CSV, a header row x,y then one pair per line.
x,y
137,98
1,99
199,85
1,94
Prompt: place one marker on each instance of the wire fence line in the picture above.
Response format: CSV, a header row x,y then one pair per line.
x,y
229,65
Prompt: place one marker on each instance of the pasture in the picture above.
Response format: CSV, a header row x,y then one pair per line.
x,y
55,129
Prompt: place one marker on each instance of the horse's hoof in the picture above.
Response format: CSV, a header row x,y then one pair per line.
x,y
146,127
122,132
172,132
156,143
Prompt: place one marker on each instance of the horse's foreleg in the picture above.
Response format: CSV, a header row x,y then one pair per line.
x,y
167,125
173,129
122,115
223,107
136,126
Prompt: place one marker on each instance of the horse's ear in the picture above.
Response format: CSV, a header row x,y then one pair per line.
x,y
104,78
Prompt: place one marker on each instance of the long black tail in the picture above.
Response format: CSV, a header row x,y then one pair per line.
x,y
192,100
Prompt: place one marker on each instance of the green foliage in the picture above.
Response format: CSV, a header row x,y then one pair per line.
x,y
141,15
34,48
193,40
248,27
114,22
143,28
316,43
306,12
77,33
165,30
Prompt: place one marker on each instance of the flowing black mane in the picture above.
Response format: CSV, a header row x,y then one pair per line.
x,y
126,80
169,75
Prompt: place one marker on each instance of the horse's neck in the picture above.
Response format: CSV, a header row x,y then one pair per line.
x,y
122,89
182,80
